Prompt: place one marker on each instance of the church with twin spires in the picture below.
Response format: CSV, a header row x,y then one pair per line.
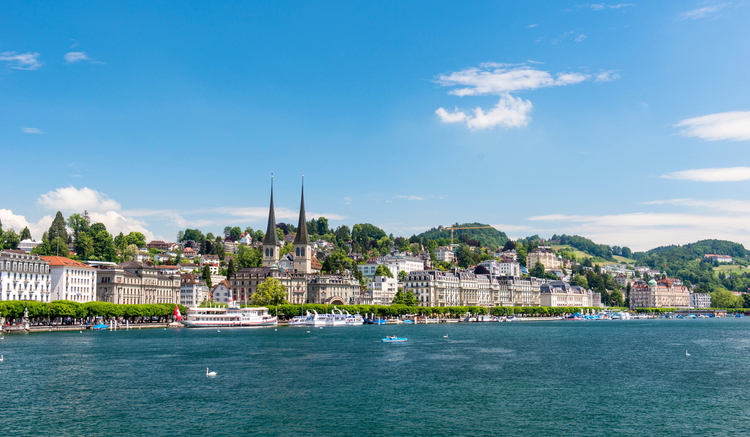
x,y
303,284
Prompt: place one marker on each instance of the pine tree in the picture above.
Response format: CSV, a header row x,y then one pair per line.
x,y
25,234
57,229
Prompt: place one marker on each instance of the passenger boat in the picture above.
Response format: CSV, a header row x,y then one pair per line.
x,y
231,316
336,318
316,319
394,339
299,320
354,319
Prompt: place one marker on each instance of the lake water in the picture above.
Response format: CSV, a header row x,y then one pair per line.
x,y
524,378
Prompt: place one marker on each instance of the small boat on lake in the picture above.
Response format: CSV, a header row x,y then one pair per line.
x,y
393,339
100,327
299,320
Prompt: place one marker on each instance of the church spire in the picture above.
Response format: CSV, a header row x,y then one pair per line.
x,y
302,237
271,238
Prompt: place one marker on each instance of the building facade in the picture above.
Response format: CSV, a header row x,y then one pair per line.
x,y
136,283
545,256
517,291
700,300
562,294
24,277
664,293
193,291
71,280
380,291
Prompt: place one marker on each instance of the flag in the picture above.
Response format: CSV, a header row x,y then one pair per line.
x,y
177,313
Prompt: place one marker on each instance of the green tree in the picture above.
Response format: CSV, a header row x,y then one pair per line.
x,y
538,271
248,257
270,292
383,270
84,245
322,226
104,246
235,233
337,261
402,275
580,281
616,298
129,253
11,239
465,256
365,232
57,229
231,268
206,275
136,238
25,234
343,233
723,299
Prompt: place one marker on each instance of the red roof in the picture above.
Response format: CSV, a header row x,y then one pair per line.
x,y
57,261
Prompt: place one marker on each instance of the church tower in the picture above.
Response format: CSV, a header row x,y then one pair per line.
x,y
271,245
302,248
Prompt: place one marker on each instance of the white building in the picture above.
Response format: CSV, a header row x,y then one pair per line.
x,y
380,291
28,245
222,292
562,294
401,262
700,300
502,268
71,280
24,277
445,254
434,288
193,291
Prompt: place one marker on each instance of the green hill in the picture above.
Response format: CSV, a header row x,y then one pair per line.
x,y
486,237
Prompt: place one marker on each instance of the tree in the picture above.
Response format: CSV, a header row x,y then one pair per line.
x,y
383,270
11,239
322,226
723,299
337,261
580,281
402,276
248,257
408,298
231,268
136,238
235,233
104,246
25,234
538,270
343,233
270,292
129,253
616,298
626,252
206,275
365,232
84,245
57,229
465,256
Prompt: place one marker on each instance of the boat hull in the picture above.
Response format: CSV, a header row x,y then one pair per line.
x,y
228,324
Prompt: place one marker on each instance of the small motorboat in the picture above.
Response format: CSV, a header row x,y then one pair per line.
x,y
100,327
394,339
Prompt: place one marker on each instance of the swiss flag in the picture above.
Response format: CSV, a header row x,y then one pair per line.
x,y
177,313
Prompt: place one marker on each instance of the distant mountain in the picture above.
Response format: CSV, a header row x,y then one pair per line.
x,y
486,237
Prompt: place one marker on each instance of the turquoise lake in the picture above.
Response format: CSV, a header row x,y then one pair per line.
x,y
524,378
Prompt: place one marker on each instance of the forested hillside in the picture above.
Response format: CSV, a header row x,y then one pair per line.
x,y
485,237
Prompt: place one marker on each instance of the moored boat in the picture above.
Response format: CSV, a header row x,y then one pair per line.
x,y
231,316
393,339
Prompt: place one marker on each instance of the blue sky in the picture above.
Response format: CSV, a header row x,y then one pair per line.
x,y
627,123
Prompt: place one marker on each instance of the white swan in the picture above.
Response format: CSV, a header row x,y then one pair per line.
x,y
210,374
2,358
687,354
445,336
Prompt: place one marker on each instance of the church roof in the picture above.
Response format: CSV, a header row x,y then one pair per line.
x,y
302,237
271,238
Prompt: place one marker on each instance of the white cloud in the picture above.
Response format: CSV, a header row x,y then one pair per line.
x,y
606,76
18,222
728,174
580,38
531,26
733,126
73,57
703,12
509,112
21,61
31,130
643,231
116,223
409,197
73,199
604,6
499,79
724,205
